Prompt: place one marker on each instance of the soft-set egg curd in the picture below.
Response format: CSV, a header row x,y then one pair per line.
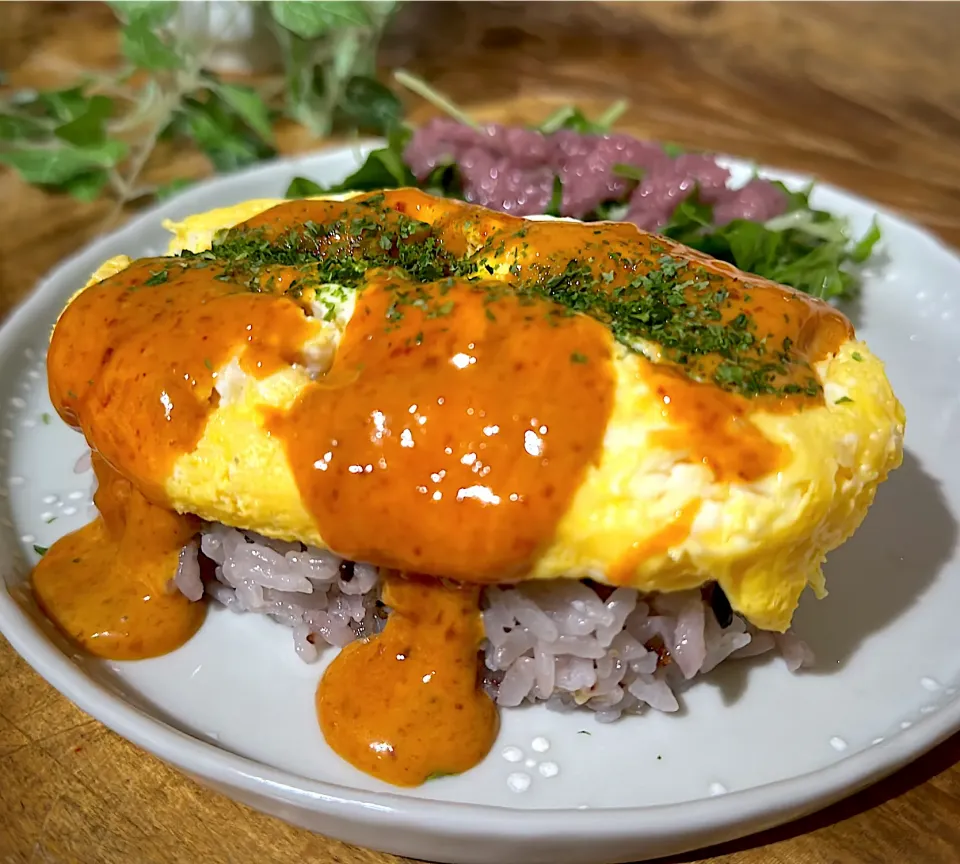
x,y
465,394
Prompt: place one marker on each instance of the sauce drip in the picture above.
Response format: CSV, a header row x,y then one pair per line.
x,y
406,705
107,586
132,361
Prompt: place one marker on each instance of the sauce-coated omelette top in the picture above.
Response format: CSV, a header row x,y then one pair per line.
x,y
444,391
464,377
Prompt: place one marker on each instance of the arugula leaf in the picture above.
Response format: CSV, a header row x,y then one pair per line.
x,y
384,169
571,117
631,172
805,249
556,198
795,200
444,180
301,187
371,105
864,246
689,220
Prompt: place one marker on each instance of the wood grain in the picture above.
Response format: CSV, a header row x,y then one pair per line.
x,y
863,95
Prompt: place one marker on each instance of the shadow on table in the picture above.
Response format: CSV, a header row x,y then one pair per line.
x,y
927,767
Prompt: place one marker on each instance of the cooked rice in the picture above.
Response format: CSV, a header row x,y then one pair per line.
x,y
561,642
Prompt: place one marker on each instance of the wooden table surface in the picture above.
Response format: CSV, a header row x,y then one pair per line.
x,y
863,95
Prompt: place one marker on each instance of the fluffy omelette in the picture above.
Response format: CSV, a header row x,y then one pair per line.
x,y
741,459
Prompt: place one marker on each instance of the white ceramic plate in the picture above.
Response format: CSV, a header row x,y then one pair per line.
x,y
753,746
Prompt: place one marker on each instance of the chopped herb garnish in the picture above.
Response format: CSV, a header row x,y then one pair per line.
x,y
856,355
207,363
842,400
40,550
653,297
158,277
45,418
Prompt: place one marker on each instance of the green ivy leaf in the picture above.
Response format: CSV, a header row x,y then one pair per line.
x,y
153,13
62,105
14,127
142,47
221,134
246,102
54,166
301,187
88,129
87,186
371,105
308,19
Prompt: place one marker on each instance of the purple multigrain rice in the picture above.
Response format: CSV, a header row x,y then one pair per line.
x,y
562,642
512,169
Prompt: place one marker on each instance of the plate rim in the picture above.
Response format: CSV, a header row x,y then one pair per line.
x,y
733,813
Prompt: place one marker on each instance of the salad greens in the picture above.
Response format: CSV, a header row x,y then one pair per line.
x,y
809,249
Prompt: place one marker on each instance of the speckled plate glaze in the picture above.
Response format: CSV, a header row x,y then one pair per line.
x,y
752,747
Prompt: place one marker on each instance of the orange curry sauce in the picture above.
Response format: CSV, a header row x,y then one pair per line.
x,y
465,403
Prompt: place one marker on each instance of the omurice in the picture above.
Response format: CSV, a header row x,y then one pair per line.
x,y
492,459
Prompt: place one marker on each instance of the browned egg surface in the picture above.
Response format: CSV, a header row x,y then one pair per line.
x,y
503,357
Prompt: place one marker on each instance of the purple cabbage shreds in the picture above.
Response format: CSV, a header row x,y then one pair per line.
x,y
513,169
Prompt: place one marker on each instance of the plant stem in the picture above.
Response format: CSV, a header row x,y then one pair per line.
x,y
424,90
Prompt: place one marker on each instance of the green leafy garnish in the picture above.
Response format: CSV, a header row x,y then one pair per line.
x,y
556,198
99,134
631,172
810,250
45,418
577,357
40,550
843,400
